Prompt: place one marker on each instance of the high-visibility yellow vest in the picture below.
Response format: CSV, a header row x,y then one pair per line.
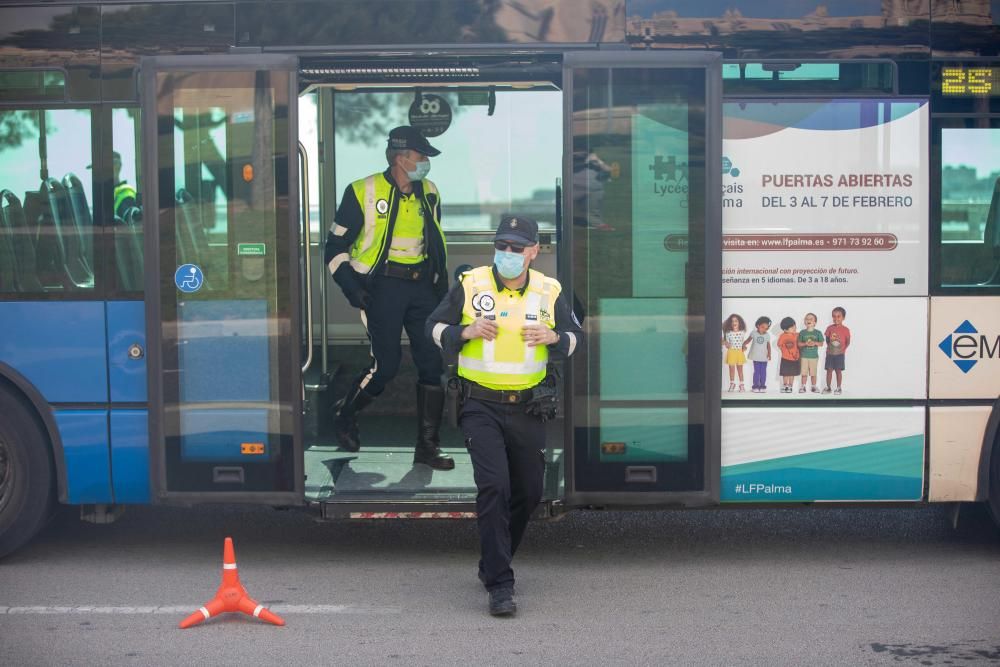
x,y
376,195
123,192
407,243
506,362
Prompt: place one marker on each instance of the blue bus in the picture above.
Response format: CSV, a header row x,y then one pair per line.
x,y
825,331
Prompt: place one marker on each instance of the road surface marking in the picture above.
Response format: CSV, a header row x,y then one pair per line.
x,y
182,609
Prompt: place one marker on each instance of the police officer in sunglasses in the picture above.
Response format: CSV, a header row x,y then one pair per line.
x,y
505,322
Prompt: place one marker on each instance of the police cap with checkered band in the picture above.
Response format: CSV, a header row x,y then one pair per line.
x,y
404,138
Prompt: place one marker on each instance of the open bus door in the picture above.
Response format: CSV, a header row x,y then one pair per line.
x,y
642,203
222,292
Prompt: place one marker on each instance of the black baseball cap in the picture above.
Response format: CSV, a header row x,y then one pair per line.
x,y
404,138
519,229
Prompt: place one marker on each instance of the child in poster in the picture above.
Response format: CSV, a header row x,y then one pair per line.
x,y
788,343
734,339
838,339
810,340
760,353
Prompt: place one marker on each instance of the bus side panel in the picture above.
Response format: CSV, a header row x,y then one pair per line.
x,y
59,346
130,455
956,442
127,328
965,347
84,436
964,367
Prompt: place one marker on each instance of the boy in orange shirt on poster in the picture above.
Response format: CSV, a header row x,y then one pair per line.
x,y
788,343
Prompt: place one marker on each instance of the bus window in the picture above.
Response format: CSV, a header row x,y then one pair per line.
x,y
46,216
782,77
970,207
126,202
34,85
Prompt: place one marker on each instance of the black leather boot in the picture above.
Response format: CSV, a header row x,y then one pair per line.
x,y
345,418
430,405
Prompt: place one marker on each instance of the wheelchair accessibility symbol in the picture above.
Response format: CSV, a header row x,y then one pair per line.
x,y
189,278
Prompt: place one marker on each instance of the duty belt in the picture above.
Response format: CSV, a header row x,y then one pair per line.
x,y
508,396
404,271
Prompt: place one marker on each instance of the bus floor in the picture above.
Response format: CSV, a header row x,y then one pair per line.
x,y
384,470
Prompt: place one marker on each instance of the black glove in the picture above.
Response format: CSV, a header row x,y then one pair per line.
x,y
351,284
358,297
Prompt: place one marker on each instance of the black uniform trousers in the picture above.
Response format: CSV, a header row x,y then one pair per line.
x,y
507,448
396,304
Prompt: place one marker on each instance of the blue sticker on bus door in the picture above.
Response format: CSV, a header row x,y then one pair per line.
x,y
189,278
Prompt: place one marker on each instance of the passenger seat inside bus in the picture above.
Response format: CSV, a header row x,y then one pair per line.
x,y
18,266
83,221
60,243
128,250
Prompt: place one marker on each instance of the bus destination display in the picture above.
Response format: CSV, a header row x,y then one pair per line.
x,y
968,81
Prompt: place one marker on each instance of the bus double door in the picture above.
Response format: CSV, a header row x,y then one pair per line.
x,y
638,254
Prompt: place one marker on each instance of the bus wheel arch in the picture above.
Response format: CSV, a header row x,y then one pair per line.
x,y
989,465
27,479
14,383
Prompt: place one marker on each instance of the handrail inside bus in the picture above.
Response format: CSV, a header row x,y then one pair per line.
x,y
306,241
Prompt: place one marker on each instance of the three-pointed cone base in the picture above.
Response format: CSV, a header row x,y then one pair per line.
x,y
231,596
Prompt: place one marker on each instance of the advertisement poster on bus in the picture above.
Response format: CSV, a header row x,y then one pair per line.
x,y
824,348
825,197
775,454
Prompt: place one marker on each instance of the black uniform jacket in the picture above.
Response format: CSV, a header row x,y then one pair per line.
x,y
351,215
449,312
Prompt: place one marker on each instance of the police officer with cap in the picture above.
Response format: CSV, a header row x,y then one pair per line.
x,y
506,322
387,253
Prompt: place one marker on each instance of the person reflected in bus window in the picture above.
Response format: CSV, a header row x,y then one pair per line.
x,y
735,341
788,343
386,251
590,173
810,340
760,353
506,321
125,194
838,339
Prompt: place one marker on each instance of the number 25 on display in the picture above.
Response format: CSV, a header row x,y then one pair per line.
x,y
966,81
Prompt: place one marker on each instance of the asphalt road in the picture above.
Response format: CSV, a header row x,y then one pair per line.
x,y
727,587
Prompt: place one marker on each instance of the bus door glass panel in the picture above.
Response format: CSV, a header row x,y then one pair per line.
x,y
636,141
227,281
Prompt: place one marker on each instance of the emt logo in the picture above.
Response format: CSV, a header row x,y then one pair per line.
x,y
966,346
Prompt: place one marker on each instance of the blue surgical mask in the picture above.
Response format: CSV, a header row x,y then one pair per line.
x,y
509,264
420,173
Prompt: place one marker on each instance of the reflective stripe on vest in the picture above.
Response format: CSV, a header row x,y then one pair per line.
x,y
375,194
506,362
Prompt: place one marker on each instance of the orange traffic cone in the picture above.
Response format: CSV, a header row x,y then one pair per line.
x,y
231,596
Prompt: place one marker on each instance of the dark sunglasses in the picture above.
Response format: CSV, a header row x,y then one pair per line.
x,y
503,245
